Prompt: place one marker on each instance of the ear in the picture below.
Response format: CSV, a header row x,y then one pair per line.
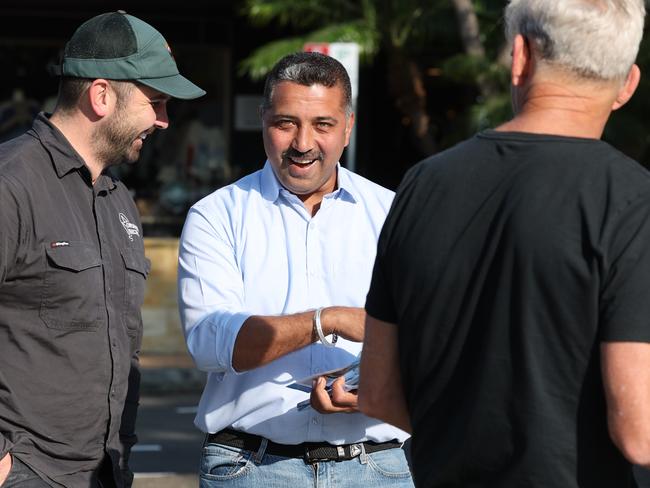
x,y
101,97
521,61
348,128
628,88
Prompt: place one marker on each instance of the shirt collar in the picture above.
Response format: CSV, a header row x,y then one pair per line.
x,y
271,186
345,184
64,157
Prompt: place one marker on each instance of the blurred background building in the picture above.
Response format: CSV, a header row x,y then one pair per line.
x,y
406,109
432,72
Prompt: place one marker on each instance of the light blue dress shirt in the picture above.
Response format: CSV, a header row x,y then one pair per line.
x,y
251,248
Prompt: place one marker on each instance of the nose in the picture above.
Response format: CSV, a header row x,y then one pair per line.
x,y
162,120
303,141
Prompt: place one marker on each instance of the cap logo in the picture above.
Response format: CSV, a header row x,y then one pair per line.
x,y
169,50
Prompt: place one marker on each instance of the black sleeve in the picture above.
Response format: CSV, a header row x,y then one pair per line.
x,y
128,437
10,223
625,290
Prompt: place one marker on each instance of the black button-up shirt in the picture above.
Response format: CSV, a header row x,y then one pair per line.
x,y
72,279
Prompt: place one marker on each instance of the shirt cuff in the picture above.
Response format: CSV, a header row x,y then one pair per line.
x,y
225,348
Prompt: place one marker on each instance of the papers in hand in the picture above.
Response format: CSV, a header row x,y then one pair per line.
x,y
349,372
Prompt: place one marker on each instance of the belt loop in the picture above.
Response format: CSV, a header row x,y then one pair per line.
x,y
260,452
363,457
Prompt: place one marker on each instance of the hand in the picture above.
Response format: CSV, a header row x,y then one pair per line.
x,y
334,400
5,468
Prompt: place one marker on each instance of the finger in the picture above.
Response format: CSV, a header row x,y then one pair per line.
x,y
322,402
342,398
320,399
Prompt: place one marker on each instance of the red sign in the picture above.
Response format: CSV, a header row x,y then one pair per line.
x,y
317,47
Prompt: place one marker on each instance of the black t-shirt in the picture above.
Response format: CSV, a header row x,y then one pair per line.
x,y
505,261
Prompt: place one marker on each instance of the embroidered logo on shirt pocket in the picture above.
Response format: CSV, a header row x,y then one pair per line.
x,y
73,287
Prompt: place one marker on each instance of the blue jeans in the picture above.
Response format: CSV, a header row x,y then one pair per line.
x,y
225,466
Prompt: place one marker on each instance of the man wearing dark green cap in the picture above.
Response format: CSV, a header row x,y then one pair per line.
x,y
72,264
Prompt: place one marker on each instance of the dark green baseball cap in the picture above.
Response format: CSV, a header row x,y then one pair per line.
x,y
118,46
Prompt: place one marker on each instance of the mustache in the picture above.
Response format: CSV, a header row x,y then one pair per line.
x,y
306,156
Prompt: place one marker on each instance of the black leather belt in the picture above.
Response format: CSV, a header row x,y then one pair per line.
x,y
310,452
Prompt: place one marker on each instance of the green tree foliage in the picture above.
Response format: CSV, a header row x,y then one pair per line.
x,y
399,28
472,55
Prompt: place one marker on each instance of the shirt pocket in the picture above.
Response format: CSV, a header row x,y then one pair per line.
x,y
137,268
73,287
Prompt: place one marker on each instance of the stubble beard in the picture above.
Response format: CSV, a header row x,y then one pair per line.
x,y
113,142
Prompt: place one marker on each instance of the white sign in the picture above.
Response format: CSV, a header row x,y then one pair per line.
x,y
347,53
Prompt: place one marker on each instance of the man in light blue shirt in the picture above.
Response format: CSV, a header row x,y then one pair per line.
x,y
273,274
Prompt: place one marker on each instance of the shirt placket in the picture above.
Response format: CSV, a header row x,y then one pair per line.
x,y
314,257
109,269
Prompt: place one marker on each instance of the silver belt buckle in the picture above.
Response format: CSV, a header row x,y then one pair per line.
x,y
356,450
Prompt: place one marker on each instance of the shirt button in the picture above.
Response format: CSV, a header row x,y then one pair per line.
x,y
314,421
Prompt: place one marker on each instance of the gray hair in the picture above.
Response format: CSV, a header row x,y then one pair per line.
x,y
593,38
309,69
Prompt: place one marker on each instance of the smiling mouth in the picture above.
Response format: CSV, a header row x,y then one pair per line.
x,y
302,162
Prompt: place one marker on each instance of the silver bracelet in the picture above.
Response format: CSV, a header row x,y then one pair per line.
x,y
319,330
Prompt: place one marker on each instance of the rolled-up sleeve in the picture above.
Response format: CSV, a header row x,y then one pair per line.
x,y
211,291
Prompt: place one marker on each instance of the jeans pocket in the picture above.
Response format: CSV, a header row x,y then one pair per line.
x,y
222,463
390,463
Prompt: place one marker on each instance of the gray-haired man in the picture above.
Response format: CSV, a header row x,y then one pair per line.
x,y
524,357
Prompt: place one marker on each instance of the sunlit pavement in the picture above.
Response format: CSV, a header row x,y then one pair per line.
x,y
169,445
164,480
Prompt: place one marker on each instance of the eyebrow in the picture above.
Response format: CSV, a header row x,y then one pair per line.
x,y
326,119
323,118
